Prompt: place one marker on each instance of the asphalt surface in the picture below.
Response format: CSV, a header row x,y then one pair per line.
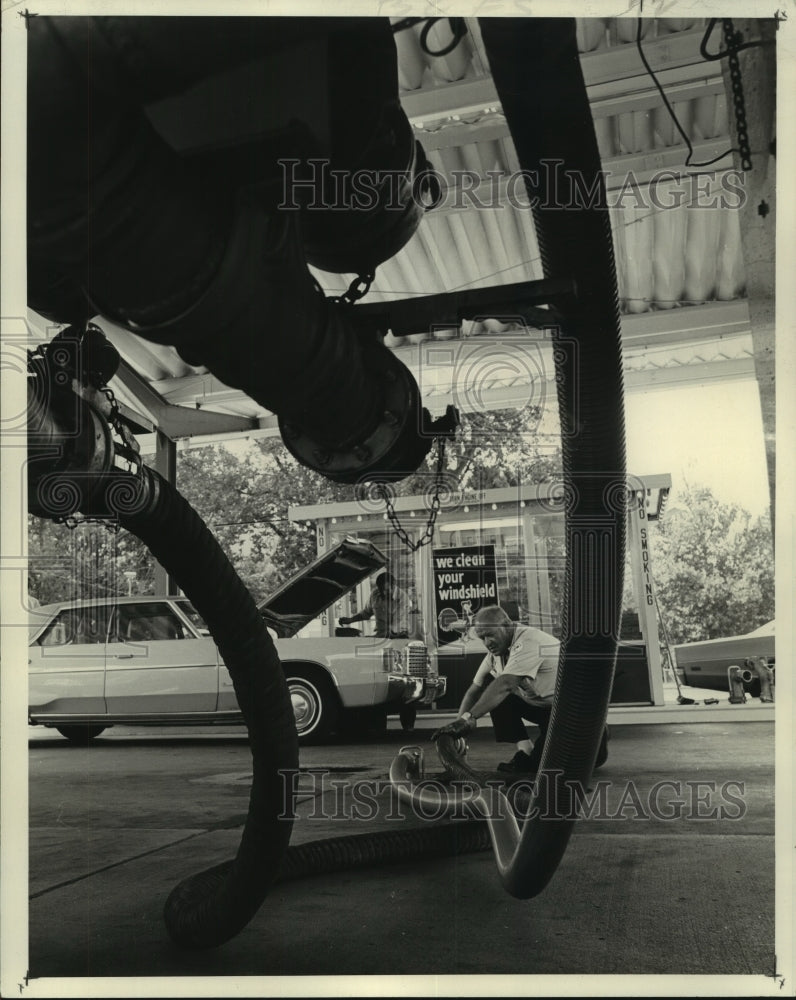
x,y
672,874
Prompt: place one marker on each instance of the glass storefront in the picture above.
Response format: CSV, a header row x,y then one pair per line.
x,y
528,560
522,538
402,563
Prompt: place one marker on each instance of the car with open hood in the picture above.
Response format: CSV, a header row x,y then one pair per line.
x,y
151,660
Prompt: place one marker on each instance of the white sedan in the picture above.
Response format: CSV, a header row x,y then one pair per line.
x,y
151,660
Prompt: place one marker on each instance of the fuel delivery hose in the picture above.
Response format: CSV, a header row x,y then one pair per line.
x,y
366,850
206,910
211,907
555,143
557,150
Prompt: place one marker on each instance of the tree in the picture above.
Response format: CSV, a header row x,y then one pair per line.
x,y
492,449
88,560
713,565
244,495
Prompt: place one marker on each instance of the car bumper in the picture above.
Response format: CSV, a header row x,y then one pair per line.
x,y
403,688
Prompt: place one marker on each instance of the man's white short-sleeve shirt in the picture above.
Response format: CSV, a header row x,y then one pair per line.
x,y
533,654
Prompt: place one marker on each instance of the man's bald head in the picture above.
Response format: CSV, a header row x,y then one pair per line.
x,y
492,614
494,628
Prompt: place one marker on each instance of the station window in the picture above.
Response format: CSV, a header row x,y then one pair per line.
x,y
529,561
401,562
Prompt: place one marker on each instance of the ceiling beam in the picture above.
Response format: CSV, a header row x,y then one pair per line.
x,y
697,373
656,329
203,388
178,421
611,74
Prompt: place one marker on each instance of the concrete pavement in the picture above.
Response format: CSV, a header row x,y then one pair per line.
x,y
672,874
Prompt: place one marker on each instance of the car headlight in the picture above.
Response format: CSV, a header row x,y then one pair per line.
x,y
392,661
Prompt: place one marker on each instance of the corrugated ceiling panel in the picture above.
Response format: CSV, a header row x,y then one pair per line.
x,y
666,257
730,273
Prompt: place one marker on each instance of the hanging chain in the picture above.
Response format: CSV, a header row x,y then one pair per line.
x,y
73,521
357,290
129,449
436,503
731,41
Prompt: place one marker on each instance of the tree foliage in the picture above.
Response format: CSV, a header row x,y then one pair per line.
x,y
714,568
244,496
86,561
712,562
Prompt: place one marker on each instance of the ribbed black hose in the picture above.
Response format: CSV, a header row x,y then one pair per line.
x,y
337,854
368,850
528,57
204,910
536,69
210,907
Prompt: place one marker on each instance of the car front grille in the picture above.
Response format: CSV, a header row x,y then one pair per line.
x,y
416,659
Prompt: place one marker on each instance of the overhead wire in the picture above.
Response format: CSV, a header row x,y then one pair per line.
x,y
536,260
667,104
724,53
457,26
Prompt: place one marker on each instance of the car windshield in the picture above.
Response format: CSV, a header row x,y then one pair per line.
x,y
36,619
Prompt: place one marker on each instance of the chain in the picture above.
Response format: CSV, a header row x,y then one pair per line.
x,y
129,450
731,41
357,290
436,503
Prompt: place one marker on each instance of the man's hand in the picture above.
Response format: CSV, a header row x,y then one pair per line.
x,y
459,727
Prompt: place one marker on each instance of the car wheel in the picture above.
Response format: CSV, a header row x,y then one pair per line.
x,y
81,735
315,705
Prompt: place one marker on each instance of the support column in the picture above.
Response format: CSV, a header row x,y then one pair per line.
x,y
758,68
643,585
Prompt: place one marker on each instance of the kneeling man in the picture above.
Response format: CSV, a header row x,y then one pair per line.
x,y
515,683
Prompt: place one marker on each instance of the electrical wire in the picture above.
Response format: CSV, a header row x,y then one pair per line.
x,y
670,109
457,26
723,53
533,260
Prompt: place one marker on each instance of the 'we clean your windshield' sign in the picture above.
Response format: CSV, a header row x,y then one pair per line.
x,y
465,580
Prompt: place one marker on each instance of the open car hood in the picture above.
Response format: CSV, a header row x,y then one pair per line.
x,y
311,591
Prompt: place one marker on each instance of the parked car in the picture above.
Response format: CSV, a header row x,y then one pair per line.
x,y
705,664
152,660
